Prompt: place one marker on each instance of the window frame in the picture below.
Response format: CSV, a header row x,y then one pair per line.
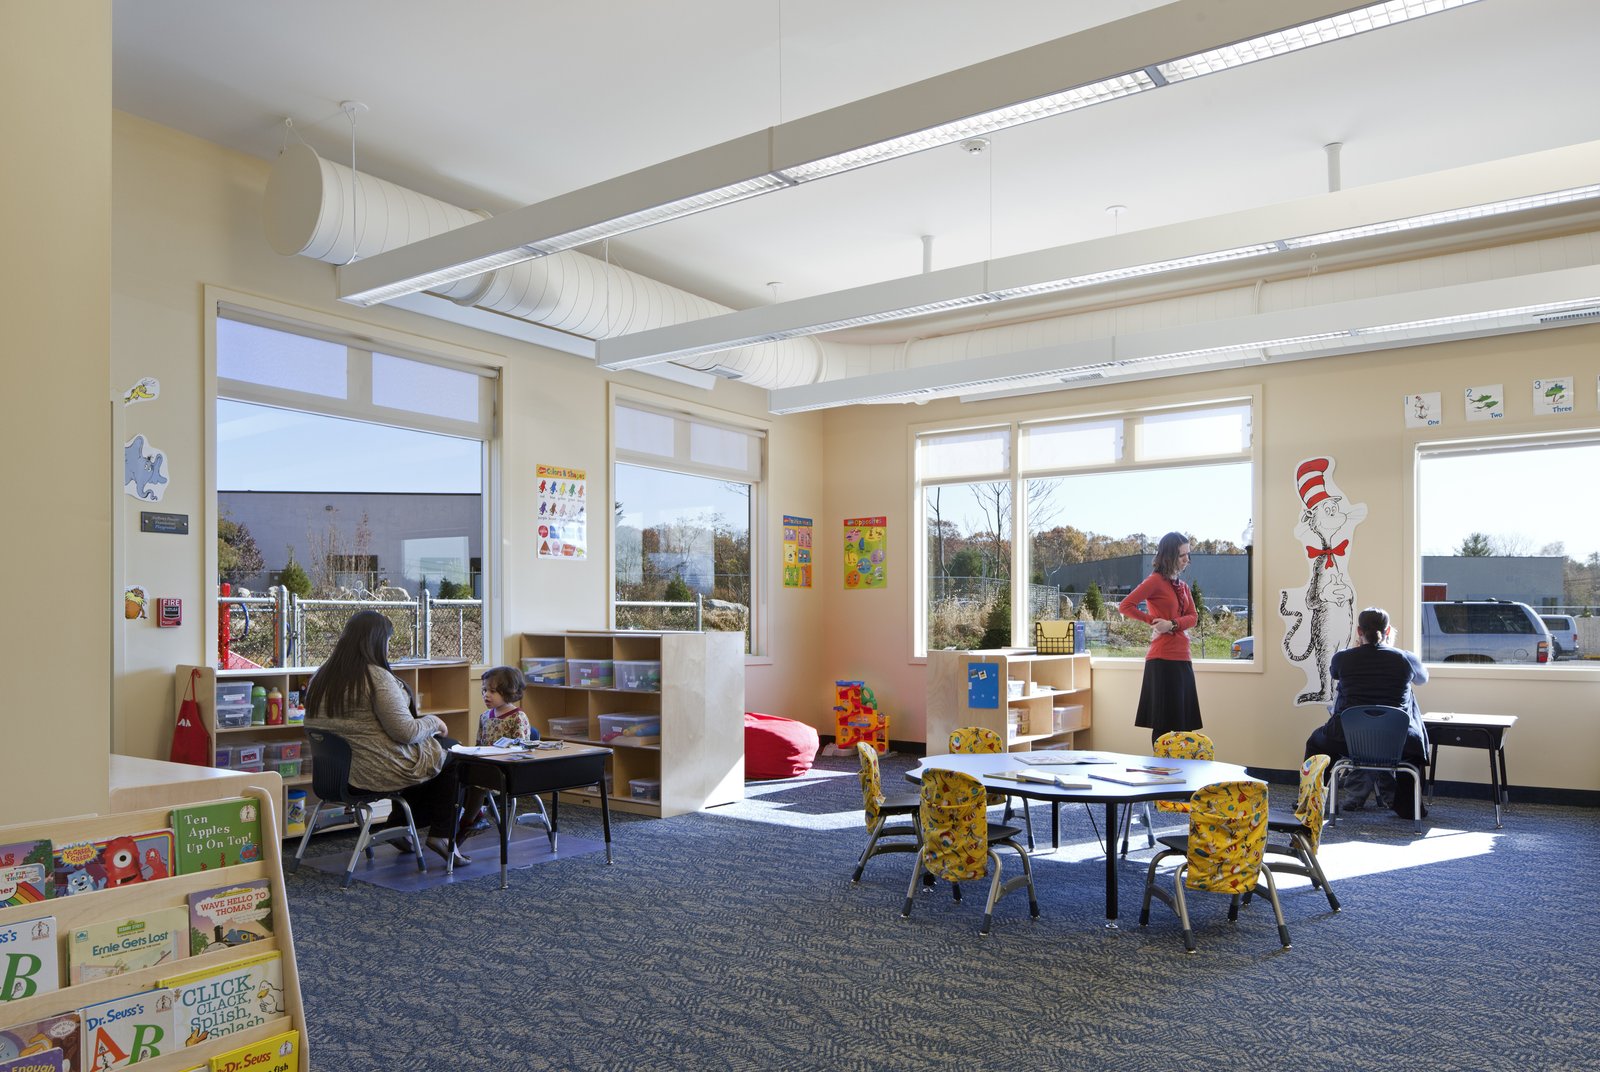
x,y
221,303
1018,473
688,413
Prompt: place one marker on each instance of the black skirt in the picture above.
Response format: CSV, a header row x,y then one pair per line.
x,y
1168,701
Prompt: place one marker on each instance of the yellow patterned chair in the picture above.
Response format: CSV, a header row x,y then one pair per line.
x,y
1304,829
879,809
979,740
958,842
1184,744
1222,853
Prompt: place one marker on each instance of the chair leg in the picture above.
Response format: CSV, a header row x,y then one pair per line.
x,y
1277,909
1182,906
1027,821
1314,867
1330,801
1149,827
866,853
363,842
911,890
305,838
411,830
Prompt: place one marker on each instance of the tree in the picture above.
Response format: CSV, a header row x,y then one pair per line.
x,y
294,578
997,623
966,563
449,589
238,556
1093,603
1199,601
1476,545
678,591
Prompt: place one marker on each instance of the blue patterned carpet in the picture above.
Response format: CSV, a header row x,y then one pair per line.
x,y
733,940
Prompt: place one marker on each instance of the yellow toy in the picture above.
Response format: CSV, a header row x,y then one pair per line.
x,y
859,718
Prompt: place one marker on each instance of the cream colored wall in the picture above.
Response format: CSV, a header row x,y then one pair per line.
x,y
55,203
1348,407
187,215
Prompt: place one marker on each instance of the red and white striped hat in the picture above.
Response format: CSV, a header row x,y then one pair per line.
x,y
1311,478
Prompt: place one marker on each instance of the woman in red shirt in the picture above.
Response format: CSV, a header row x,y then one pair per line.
x,y
1168,700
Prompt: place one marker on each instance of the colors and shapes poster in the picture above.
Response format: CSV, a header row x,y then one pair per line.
x,y
864,552
796,551
563,512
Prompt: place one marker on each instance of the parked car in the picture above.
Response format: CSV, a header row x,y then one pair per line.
x,y
1244,648
1563,634
1483,631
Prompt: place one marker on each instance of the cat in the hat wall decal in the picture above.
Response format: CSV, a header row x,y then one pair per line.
x,y
1319,617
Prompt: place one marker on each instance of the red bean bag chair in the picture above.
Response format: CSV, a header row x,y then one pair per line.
x,y
777,747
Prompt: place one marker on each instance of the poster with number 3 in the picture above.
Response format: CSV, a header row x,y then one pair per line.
x,y
864,552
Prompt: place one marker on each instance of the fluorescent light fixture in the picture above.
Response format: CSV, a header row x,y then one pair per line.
x,y
1489,195
1518,303
1120,58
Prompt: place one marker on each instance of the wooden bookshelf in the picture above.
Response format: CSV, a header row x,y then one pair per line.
x,y
131,900
1026,722
699,759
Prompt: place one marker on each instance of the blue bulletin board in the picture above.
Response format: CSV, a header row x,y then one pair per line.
x,y
983,685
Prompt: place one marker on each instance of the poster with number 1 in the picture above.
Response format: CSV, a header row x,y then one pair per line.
x,y
563,512
864,552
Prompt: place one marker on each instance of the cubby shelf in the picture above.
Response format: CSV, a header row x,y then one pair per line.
x,y
700,758
1047,682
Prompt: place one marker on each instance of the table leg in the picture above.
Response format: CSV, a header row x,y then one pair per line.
x,y
508,804
1433,771
555,812
1111,864
605,816
1055,826
1496,783
455,829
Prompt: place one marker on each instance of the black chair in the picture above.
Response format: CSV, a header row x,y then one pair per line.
x,y
330,781
1375,738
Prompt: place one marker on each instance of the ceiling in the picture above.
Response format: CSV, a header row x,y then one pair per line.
x,y
495,104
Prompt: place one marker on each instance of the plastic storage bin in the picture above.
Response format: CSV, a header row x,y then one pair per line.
x,y
224,757
589,673
638,675
246,754
233,716
288,768
575,726
545,671
644,788
630,729
234,692
1067,718
280,751
249,768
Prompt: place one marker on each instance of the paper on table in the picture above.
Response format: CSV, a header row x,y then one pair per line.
x,y
1061,781
1138,778
1057,759
483,750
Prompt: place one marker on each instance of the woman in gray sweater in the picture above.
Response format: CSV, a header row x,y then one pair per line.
x,y
393,749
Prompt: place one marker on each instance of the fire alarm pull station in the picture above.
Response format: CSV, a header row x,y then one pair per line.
x,y
169,612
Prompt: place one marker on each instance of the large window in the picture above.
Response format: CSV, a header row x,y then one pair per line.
x,y
686,503
1510,545
346,478
1093,495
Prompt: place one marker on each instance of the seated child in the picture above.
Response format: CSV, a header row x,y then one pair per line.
x,y
502,691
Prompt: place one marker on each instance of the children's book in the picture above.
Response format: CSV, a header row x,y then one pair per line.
x,y
128,1029
279,1053
1058,759
84,866
48,1061
114,946
1139,777
28,961
25,868
36,1037
1060,781
219,834
219,1001
230,915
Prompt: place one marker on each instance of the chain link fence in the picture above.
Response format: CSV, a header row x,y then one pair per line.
x,y
282,629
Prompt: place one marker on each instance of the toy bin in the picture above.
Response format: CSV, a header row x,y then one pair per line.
x,y
224,757
573,726
233,716
644,788
589,673
640,675
287,768
234,692
543,671
281,751
630,729
245,754
250,768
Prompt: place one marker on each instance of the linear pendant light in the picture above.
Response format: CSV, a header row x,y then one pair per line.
x,y
1477,195
1129,56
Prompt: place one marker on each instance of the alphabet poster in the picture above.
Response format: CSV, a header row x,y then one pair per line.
x,y
796,552
563,513
864,552
1319,618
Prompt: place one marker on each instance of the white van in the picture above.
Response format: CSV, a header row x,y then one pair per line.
x,y
1563,635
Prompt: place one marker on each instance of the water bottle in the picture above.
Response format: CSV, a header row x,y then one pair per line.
x,y
258,706
274,707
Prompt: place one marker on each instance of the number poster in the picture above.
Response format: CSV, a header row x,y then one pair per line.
x,y
563,512
796,552
864,541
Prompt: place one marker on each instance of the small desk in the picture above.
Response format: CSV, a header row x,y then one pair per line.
x,y
1472,731
1196,774
572,766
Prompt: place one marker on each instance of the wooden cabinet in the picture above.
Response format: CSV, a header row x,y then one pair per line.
x,y
698,758
1041,701
134,899
441,689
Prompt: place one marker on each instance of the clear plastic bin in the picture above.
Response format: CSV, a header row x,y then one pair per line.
x,y
589,673
224,757
575,726
644,788
279,751
630,729
544,671
233,716
638,675
248,753
288,768
234,692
